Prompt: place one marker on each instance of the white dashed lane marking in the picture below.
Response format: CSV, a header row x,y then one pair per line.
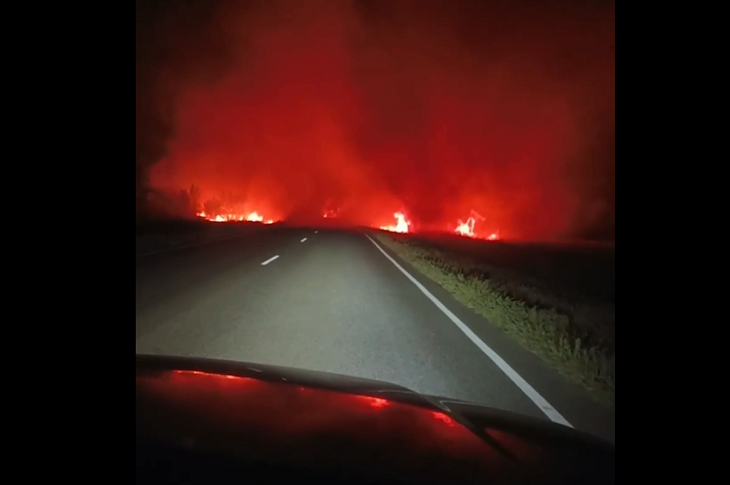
x,y
269,260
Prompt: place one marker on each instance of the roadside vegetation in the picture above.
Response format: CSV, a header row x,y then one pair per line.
x,y
557,301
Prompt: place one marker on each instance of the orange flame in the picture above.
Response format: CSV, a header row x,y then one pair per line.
x,y
467,228
251,217
402,226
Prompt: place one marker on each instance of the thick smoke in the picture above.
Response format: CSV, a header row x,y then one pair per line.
x,y
435,108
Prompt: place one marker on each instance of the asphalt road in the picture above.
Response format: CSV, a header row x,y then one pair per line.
x,y
337,301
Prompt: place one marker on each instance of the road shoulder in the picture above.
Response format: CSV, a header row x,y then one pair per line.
x,y
570,399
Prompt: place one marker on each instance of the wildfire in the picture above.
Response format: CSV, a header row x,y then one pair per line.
x,y
467,228
402,226
252,217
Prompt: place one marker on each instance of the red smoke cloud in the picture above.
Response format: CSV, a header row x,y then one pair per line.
x,y
378,107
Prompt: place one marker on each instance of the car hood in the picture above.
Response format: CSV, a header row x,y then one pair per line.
x,y
266,411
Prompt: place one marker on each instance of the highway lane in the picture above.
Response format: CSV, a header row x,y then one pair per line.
x,y
333,301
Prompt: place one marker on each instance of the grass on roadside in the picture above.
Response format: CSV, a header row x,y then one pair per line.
x,y
544,329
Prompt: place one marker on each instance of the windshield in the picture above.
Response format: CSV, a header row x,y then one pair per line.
x,y
415,192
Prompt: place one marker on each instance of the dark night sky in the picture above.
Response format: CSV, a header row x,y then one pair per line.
x,y
432,107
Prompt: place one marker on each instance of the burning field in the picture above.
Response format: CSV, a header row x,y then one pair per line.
x,y
463,228
497,128
402,225
250,217
453,130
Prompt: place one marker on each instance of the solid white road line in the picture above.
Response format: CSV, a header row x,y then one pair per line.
x,y
303,240
529,391
269,260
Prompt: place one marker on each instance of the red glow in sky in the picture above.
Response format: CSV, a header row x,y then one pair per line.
x,y
291,109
